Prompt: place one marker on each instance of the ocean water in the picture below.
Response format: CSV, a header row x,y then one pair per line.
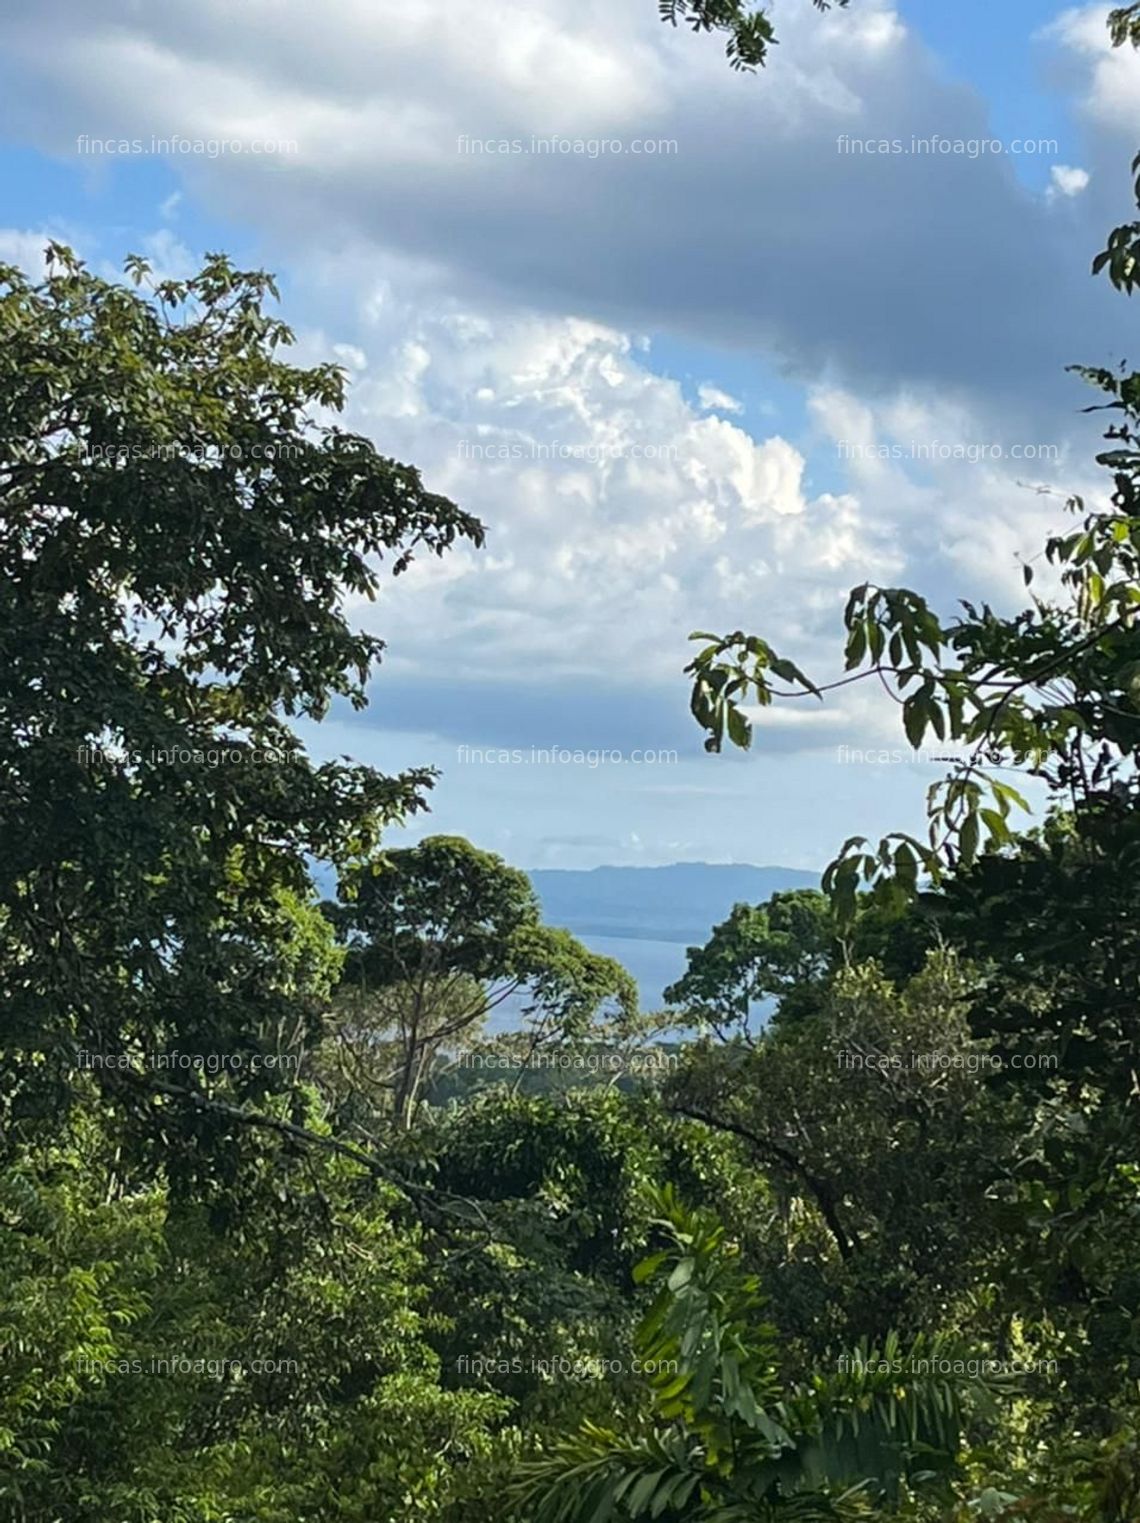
x,y
654,964
657,964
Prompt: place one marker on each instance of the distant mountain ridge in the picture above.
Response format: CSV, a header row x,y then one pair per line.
x,y
678,903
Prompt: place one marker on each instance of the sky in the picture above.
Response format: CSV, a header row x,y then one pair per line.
x,y
702,349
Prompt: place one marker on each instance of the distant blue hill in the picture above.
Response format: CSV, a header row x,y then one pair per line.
x,y
681,902
646,917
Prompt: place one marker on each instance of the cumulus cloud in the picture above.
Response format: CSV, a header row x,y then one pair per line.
x,y
621,516
966,504
1067,181
1110,93
617,511
25,249
712,399
748,227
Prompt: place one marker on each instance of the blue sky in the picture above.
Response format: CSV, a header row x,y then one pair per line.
x,y
678,356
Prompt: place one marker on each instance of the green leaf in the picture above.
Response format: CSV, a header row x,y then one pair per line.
x,y
739,728
648,1267
914,719
968,838
681,1275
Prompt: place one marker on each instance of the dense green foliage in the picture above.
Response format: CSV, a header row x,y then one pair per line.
x,y
782,948
178,536
438,936
727,1439
288,1235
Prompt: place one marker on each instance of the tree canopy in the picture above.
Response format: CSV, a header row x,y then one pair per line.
x,y
866,1247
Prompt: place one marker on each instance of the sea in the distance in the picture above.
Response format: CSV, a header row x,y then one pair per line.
x,y
669,908
654,964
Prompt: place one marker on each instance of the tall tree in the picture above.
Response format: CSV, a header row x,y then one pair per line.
x,y
179,524
777,950
438,936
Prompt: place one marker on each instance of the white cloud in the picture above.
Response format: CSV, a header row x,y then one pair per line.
x,y
1112,75
958,495
355,80
1067,181
376,94
25,249
619,515
168,256
351,356
712,399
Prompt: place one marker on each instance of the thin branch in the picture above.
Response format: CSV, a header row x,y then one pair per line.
x,y
819,1189
375,1165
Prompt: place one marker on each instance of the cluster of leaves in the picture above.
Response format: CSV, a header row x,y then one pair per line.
x,y
778,950
152,1365
1051,692
750,30
1124,25
180,526
437,936
725,1439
